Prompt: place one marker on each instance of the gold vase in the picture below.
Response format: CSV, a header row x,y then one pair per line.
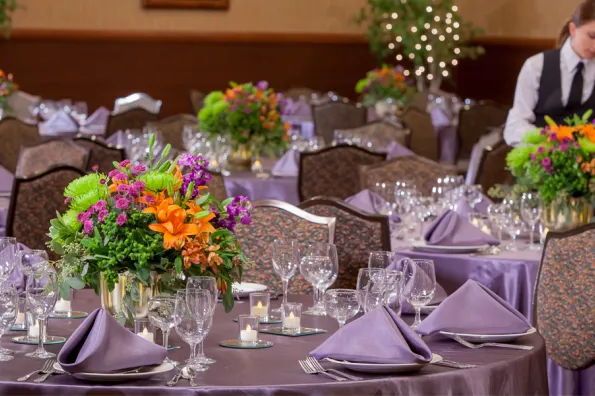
x,y
115,301
241,158
568,214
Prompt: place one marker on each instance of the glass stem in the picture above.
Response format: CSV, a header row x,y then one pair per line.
x,y
341,323
285,287
201,349
532,234
417,320
192,351
315,295
42,331
165,337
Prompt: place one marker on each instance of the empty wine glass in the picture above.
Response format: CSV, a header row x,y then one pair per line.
x,y
341,304
32,260
325,285
161,314
192,309
381,259
8,258
316,267
420,285
512,222
42,293
531,207
205,283
286,258
371,286
496,216
8,313
393,290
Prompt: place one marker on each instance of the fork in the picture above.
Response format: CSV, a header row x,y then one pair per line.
x,y
311,370
46,375
452,364
45,368
316,364
491,344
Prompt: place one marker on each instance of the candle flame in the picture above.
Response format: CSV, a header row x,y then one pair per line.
x,y
291,315
248,328
259,304
145,332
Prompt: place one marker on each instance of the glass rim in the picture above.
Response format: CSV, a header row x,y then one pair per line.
x,y
346,291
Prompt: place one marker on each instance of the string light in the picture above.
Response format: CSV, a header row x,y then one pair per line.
x,y
454,8
426,25
406,72
395,15
437,18
449,30
399,57
445,73
430,77
457,51
389,26
429,9
441,38
455,62
399,39
455,37
447,21
430,59
391,46
434,31
424,37
449,15
411,56
442,64
418,46
413,29
428,47
456,25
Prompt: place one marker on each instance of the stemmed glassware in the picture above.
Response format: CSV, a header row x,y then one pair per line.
x,y
393,290
371,287
8,259
381,259
318,266
8,313
193,307
341,304
496,216
42,294
513,224
531,207
286,258
161,314
419,286
204,283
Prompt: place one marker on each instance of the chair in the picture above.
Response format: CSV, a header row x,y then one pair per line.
x,y
356,235
564,302
171,128
424,140
476,121
196,100
21,103
101,154
383,132
297,93
34,203
420,171
58,152
217,186
135,101
492,166
273,220
15,134
337,115
136,118
333,171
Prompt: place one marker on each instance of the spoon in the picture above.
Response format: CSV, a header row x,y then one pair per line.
x,y
189,373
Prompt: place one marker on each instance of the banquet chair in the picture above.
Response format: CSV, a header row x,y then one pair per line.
x,y
58,152
171,128
274,220
217,186
301,92
23,105
564,302
422,172
382,132
101,154
337,115
333,171
196,100
424,140
34,203
15,134
356,235
135,118
135,101
492,166
477,120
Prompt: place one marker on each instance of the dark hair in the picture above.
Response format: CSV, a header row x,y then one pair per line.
x,y
585,12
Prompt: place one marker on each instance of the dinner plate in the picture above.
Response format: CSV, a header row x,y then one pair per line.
x,y
428,309
423,247
488,337
144,373
245,288
384,368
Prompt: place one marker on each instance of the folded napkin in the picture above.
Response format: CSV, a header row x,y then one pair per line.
x,y
366,200
299,108
96,122
60,122
439,117
395,150
101,345
452,229
288,165
474,309
380,336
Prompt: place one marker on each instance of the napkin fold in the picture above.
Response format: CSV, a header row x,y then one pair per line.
x,y
366,200
96,122
452,229
463,208
60,122
380,336
288,165
395,150
474,309
101,345
297,108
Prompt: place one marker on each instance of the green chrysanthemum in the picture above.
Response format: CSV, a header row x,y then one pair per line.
x,y
205,113
84,184
157,181
587,145
81,203
517,158
213,97
534,137
219,107
69,219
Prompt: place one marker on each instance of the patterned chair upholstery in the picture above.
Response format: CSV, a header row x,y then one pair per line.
x,y
37,159
492,166
135,118
353,248
34,203
383,132
332,171
337,115
217,186
171,129
15,134
272,220
102,155
476,121
424,140
421,171
564,303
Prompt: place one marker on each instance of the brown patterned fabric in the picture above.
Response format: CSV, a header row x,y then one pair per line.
x,y
15,134
382,133
332,172
34,203
356,235
492,167
135,118
476,121
217,187
424,139
297,93
196,100
171,129
270,223
565,298
421,171
337,115
101,155
37,159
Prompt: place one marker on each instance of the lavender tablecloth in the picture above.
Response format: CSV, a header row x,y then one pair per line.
x,y
275,371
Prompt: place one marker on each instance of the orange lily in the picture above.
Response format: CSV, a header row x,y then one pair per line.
x,y
204,222
174,230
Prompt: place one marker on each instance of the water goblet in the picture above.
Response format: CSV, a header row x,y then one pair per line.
x,y
42,293
531,208
161,314
286,258
381,259
394,289
371,286
317,267
8,258
419,285
341,304
192,309
205,283
9,301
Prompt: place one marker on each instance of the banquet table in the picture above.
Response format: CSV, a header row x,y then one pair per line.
x,y
275,370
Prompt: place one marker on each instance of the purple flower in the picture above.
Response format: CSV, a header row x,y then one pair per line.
x,y
540,150
139,185
553,136
138,169
122,204
118,175
102,181
67,200
121,219
88,226
544,131
232,108
247,110
101,215
95,168
82,217
149,200
124,163
196,166
123,188
262,85
564,147
546,162
533,157
101,204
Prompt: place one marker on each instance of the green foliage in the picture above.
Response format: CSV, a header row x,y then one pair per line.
x,y
387,82
157,181
7,8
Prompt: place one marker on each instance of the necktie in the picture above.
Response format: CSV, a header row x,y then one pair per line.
x,y
575,99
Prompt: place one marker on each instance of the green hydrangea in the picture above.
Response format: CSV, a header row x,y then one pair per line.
x,y
213,97
69,218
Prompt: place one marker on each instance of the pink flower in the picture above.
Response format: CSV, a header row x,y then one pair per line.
x,y
150,200
68,199
123,188
533,157
121,219
118,175
82,217
138,169
122,204
124,164
101,215
88,226
101,204
102,181
95,168
540,150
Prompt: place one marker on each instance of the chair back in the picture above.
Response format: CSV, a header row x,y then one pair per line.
x,y
476,121
135,118
217,186
492,166
137,100
50,154
337,115
424,139
301,92
15,134
382,133
171,129
101,154
196,100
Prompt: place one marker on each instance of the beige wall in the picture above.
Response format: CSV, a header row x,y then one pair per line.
x,y
511,18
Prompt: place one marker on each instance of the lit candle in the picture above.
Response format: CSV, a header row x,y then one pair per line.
x,y
20,318
291,321
248,335
259,310
486,229
146,335
34,330
62,306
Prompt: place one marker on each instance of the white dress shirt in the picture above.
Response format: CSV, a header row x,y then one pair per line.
x,y
521,117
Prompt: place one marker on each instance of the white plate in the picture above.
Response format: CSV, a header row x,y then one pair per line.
x,y
428,309
384,368
245,288
119,377
423,247
488,337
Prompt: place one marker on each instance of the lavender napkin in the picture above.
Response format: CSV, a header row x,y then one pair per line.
x,y
395,150
96,122
59,123
474,309
101,345
379,336
288,165
452,229
298,108
366,200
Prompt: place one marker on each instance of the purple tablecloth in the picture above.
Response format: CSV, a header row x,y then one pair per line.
x,y
275,371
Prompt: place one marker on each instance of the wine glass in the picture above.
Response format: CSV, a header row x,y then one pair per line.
x,y
316,267
393,290
371,286
341,304
381,259
512,222
286,257
496,216
161,314
420,285
8,259
192,309
8,313
42,292
531,207
204,283
32,260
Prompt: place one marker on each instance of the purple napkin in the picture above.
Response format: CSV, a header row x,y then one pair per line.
x,y
474,309
6,179
299,108
59,123
452,229
395,150
101,345
379,336
95,124
287,165
366,200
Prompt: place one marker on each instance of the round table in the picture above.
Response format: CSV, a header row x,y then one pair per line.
x,y
276,370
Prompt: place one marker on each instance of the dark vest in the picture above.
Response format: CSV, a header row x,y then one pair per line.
x,y
549,100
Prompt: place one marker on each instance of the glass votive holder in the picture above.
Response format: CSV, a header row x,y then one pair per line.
x,y
20,322
480,221
259,305
248,329
144,328
292,316
63,306
32,326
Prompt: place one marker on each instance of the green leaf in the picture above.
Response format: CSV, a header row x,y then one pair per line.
x,y
64,290
57,248
144,274
227,201
202,199
106,240
202,214
228,299
178,264
87,242
134,292
74,282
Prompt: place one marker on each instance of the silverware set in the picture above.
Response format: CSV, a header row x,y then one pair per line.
x,y
491,344
312,366
45,372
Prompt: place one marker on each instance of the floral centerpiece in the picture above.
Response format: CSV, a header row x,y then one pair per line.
x,y
7,88
156,225
385,85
